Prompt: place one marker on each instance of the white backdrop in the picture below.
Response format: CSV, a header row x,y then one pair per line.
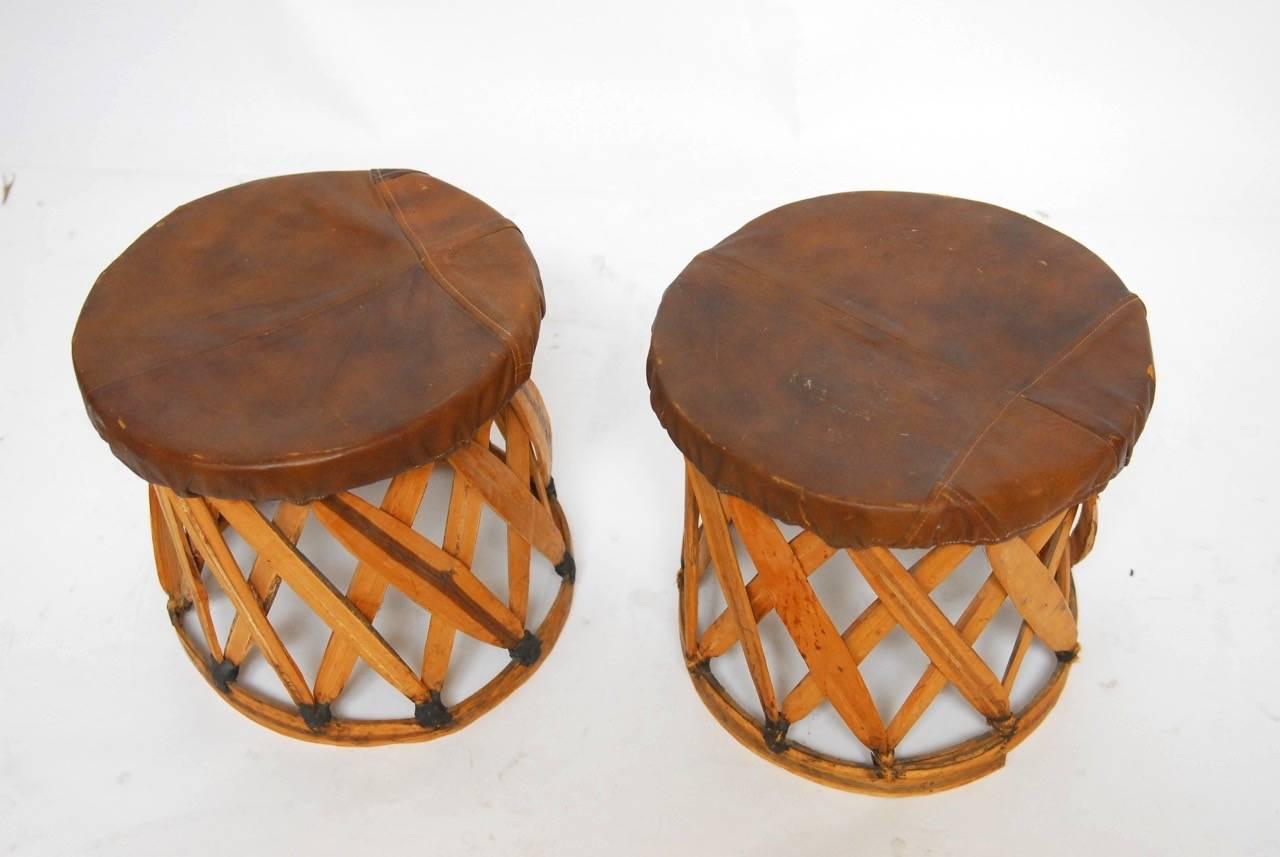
x,y
623,141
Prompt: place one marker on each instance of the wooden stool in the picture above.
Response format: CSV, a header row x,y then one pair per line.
x,y
891,370
291,339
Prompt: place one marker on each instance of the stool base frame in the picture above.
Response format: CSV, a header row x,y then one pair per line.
x,y
1033,570
514,482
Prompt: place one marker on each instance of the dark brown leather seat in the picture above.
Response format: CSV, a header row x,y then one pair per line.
x,y
902,369
297,336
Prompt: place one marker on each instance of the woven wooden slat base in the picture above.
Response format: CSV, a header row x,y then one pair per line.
x,y
514,481
1033,571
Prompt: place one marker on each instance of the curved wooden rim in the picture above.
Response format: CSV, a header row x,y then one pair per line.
x,y
368,733
945,769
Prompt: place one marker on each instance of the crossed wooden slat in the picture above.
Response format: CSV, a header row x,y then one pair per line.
x,y
511,481
1033,571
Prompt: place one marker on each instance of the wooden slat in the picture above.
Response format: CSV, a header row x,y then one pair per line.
x,y
874,624
972,622
690,575
810,627
162,548
462,525
510,499
1086,530
367,588
519,459
1034,592
189,574
204,528
264,581
426,574
529,409
321,596
1022,642
931,630
721,634
725,561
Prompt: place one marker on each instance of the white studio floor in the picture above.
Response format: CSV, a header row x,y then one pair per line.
x,y
623,143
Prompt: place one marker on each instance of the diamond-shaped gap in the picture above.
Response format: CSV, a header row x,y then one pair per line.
x,y
1037,668
496,440
948,721
954,594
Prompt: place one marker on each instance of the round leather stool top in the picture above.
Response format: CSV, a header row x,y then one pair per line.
x,y
296,336
902,370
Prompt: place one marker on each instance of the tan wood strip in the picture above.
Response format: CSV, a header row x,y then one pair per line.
x,y
1035,593
690,575
1021,644
972,622
461,528
1086,530
189,573
725,561
322,597
222,565
810,627
519,459
367,588
721,634
289,519
528,407
510,499
931,630
425,573
874,624
162,548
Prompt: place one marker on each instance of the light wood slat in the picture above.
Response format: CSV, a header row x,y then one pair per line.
x,y
461,527
874,624
367,588
510,499
1022,642
321,596
162,548
810,627
1034,592
263,580
972,622
519,459
426,574
529,409
690,575
932,631
721,634
190,575
204,528
725,562
1086,530
1063,561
